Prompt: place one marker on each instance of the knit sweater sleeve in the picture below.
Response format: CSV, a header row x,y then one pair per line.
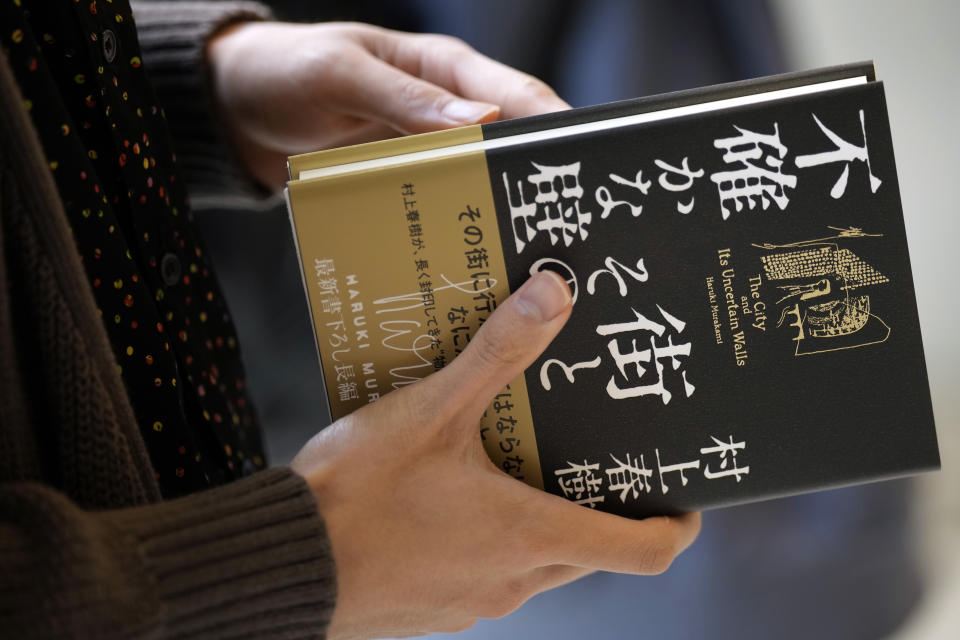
x,y
172,36
250,559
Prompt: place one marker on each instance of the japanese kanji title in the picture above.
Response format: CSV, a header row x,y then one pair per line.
x,y
633,380
647,353
755,174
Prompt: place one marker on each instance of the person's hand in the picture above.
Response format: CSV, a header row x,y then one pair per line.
x,y
427,534
284,88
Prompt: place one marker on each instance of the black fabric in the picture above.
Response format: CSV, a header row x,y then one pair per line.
x,y
105,137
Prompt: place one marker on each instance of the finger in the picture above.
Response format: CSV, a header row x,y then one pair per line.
x,y
579,536
371,88
359,133
454,65
556,575
508,342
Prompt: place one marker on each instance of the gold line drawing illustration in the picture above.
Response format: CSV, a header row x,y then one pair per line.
x,y
848,232
822,290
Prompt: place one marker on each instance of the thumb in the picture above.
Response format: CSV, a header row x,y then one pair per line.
x,y
409,104
510,340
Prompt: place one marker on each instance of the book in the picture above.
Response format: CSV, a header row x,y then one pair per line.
x,y
744,322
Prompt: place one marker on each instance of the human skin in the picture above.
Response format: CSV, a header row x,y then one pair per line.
x,y
427,534
283,89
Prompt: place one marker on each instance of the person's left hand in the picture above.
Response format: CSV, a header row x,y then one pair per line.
x,y
427,534
283,89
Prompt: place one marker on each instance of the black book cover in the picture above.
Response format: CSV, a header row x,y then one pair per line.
x,y
744,324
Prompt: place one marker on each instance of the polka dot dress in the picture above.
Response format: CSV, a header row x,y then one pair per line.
x,y
79,67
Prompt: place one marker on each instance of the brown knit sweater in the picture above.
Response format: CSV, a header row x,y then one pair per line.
x,y
87,549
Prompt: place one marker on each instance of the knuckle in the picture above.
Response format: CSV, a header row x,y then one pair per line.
x,y
658,559
353,26
659,552
512,594
368,36
531,85
336,64
495,347
411,92
490,608
458,625
441,100
694,523
451,45
331,58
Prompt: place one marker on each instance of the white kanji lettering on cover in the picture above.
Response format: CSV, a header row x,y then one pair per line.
x,y
752,181
608,204
617,270
554,209
630,477
568,370
844,152
655,354
728,455
581,483
680,467
688,176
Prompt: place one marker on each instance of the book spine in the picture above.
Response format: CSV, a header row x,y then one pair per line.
x,y
382,148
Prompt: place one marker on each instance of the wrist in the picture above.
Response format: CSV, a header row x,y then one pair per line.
x,y
224,57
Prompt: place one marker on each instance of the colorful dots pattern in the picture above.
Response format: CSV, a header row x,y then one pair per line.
x,y
109,151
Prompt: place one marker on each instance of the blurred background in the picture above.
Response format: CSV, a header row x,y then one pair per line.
x,y
880,561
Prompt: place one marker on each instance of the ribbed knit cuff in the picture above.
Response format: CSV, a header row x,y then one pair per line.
x,y
249,559
173,35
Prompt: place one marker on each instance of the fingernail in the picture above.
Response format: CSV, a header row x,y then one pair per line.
x,y
547,293
466,111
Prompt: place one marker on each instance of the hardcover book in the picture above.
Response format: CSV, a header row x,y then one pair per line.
x,y
744,322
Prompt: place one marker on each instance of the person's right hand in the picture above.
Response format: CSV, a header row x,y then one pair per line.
x,y
283,88
427,534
